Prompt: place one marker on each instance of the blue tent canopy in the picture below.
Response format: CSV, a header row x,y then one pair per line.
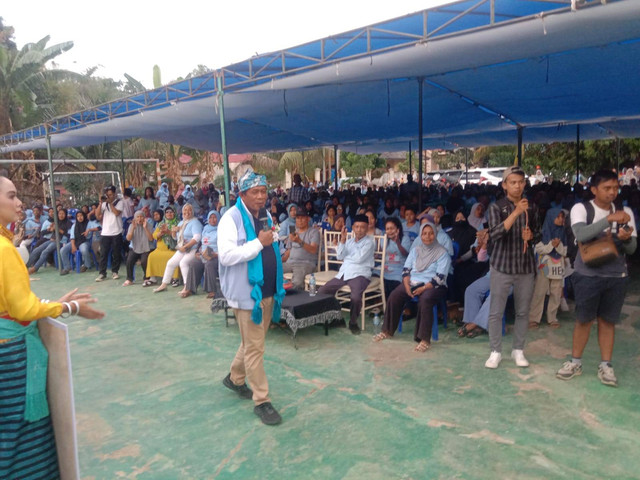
x,y
488,67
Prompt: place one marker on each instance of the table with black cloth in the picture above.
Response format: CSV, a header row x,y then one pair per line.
x,y
299,310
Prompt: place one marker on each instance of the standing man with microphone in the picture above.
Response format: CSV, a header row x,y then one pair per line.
x,y
251,281
513,231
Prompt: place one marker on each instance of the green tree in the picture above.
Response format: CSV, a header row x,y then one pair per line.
x,y
296,162
355,165
22,72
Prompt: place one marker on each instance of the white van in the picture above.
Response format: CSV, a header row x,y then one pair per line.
x,y
483,176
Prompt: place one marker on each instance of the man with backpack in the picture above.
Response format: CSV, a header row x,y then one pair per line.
x,y
599,289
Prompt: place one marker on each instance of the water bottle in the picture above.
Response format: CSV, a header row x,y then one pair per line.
x,y
312,286
377,324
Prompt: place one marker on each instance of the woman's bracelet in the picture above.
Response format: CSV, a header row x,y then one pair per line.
x,y
68,312
75,302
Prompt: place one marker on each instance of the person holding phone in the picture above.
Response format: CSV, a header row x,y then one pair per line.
x,y
424,276
140,236
301,250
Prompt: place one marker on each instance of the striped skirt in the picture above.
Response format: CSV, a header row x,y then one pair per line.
x,y
27,450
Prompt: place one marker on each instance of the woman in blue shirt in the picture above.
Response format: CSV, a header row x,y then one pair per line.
x,y
396,253
187,234
205,263
424,276
40,254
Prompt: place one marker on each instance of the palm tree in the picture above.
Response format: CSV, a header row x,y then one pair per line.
x,y
21,73
303,163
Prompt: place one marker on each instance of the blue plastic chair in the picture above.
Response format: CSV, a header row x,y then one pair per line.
x,y
442,305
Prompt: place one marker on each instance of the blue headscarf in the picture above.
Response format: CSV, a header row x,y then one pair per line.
x,y
188,194
210,234
550,230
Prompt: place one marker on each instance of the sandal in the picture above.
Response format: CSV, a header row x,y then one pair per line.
x,y
381,336
185,293
554,325
463,331
474,332
533,325
422,347
211,295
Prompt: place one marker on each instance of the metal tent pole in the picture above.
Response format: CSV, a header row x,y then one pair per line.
x,y
336,159
519,154
618,155
420,127
578,153
410,157
466,165
223,140
323,177
123,183
52,187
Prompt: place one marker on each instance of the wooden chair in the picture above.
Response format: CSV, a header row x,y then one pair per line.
x,y
373,296
330,253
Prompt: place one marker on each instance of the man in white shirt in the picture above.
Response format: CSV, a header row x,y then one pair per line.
x,y
600,289
109,213
358,262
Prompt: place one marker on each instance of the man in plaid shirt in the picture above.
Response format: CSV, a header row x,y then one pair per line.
x,y
512,226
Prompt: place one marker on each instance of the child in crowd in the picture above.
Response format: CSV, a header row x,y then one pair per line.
x,y
551,252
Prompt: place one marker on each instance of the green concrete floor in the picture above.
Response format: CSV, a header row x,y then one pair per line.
x,y
150,403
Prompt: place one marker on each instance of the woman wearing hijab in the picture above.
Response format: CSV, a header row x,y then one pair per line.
x,y
78,241
551,252
206,261
46,229
467,269
140,237
31,228
476,216
424,276
290,221
187,235
165,248
163,196
27,442
40,254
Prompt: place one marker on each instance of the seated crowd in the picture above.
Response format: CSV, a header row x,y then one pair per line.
x,y
439,251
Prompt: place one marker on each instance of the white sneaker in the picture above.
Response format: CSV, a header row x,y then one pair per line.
x,y
518,356
494,360
115,276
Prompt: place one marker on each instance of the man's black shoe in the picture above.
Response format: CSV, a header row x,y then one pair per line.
x,y
267,414
355,329
242,390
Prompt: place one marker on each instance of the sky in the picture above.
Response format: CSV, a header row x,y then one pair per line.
x,y
132,36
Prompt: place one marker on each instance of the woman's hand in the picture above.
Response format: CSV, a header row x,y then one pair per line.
x,y
72,295
87,311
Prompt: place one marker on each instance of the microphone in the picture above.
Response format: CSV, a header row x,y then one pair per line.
x,y
263,217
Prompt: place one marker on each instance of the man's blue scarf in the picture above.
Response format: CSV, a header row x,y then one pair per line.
x,y
256,275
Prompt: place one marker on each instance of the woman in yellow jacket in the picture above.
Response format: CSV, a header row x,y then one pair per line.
x,y
26,435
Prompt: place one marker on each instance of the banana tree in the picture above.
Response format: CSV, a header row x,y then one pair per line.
x,y
22,72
